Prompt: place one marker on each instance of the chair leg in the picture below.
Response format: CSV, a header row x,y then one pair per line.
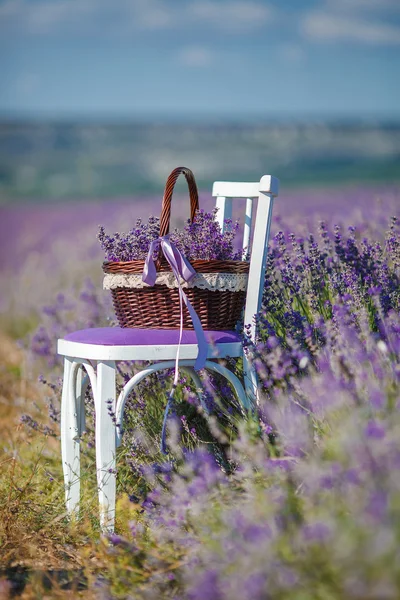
x,y
106,443
137,378
70,443
250,381
81,386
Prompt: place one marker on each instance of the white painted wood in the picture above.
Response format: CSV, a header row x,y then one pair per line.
x,y
91,373
70,446
269,185
220,205
106,443
81,386
82,381
224,206
250,381
234,189
187,351
128,387
258,259
247,224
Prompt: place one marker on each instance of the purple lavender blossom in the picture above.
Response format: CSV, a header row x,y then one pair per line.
x,y
201,239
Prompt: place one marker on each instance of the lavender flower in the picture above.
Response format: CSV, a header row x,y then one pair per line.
x,y
201,239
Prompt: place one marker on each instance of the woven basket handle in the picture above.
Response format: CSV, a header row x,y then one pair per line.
x,y
169,188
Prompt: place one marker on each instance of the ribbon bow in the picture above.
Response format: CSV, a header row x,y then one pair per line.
x,y
181,268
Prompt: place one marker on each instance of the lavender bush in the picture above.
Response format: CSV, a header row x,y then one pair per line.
x,y
311,506
305,501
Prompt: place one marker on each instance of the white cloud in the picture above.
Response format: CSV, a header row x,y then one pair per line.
x,y
49,14
195,56
69,16
233,16
151,14
357,21
363,5
325,27
44,16
292,53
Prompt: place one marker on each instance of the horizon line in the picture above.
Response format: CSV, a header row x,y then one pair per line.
x,y
203,117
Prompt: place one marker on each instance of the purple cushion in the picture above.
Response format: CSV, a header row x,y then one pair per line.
x,y
118,336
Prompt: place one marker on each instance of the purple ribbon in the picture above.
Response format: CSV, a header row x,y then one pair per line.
x,y
181,268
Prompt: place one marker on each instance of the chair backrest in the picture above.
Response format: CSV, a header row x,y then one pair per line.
x,y
265,190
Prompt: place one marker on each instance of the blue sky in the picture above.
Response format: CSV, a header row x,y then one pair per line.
x,y
222,58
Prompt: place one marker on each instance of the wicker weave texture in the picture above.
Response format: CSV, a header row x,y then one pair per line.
x,y
200,266
158,308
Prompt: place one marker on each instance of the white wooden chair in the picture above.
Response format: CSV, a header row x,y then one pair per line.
x,y
97,350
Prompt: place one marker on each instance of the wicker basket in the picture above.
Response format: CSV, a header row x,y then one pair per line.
x,y
157,307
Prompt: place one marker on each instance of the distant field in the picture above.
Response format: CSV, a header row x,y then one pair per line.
x,y
69,160
27,227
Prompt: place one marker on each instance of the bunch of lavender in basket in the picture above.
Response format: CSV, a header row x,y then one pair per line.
x,y
201,239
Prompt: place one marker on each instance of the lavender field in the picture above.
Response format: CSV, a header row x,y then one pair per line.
x,y
300,500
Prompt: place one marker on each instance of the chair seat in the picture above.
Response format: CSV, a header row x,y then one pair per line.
x,y
118,336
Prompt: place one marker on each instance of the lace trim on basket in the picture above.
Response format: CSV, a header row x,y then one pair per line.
x,y
221,282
